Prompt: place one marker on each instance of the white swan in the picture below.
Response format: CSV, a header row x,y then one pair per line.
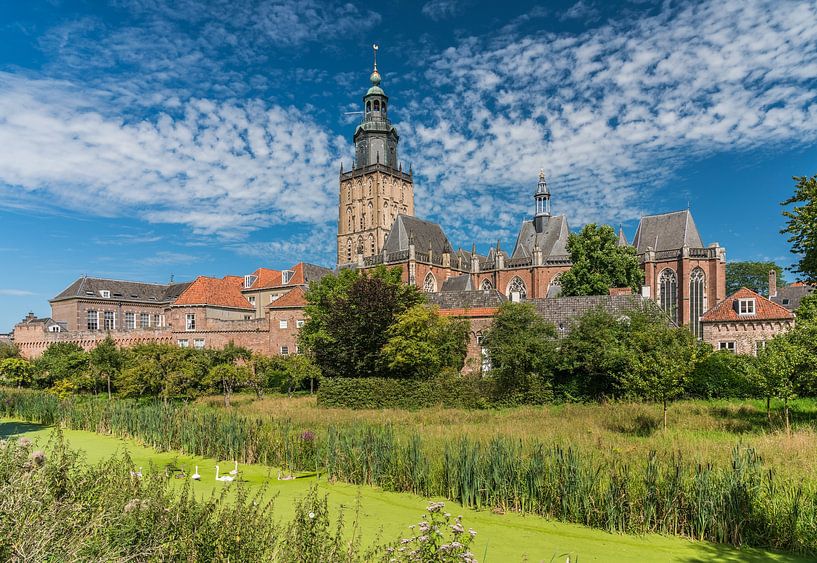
x,y
234,472
225,478
196,476
136,474
285,478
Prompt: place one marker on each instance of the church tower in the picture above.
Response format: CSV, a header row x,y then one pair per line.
x,y
376,189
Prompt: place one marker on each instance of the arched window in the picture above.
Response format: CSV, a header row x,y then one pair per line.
x,y
668,293
555,286
403,193
377,105
371,215
359,245
349,221
371,244
697,300
516,290
384,107
368,106
349,250
430,283
486,285
349,192
370,187
362,220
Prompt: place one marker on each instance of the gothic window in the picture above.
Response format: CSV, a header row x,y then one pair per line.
x,y
486,285
377,105
362,220
403,193
371,244
348,192
349,218
516,290
555,286
430,283
349,250
371,215
696,300
384,107
370,187
368,106
668,293
359,248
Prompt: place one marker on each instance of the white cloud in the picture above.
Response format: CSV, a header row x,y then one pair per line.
x,y
439,10
220,167
16,292
611,113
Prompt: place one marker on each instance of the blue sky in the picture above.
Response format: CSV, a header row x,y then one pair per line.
x,y
141,139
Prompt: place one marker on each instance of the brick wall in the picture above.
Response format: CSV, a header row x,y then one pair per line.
x,y
32,340
745,334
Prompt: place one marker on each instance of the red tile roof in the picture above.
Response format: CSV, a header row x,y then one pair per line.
x,y
765,310
265,277
295,297
225,292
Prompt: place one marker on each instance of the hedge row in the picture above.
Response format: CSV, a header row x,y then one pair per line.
x,y
450,392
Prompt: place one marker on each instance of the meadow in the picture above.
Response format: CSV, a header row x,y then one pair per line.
x,y
384,516
715,475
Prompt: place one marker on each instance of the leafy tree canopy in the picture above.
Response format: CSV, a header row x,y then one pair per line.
x,y
599,263
802,226
61,360
8,350
754,275
349,316
807,310
16,372
421,343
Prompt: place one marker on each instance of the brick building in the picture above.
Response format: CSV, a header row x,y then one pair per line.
x,y
743,322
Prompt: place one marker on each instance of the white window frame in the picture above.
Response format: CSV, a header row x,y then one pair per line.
x,y
286,276
283,324
750,306
249,280
759,345
142,319
728,345
130,320
251,299
190,322
105,320
285,350
198,343
92,315
299,323
183,343
105,293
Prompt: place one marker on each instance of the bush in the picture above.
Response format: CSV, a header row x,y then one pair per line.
x,y
450,391
722,375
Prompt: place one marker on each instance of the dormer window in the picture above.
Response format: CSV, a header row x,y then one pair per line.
x,y
746,306
249,280
286,275
105,293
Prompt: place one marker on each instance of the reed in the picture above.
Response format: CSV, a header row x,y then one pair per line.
x,y
740,503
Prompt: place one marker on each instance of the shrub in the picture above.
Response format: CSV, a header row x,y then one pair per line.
x,y
722,375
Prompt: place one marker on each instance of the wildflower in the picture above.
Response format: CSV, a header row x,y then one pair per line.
x,y
422,539
133,504
456,544
307,436
458,528
435,506
38,457
472,531
24,442
405,541
424,527
311,515
447,515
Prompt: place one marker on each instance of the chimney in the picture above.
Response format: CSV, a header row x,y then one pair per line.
x,y
772,283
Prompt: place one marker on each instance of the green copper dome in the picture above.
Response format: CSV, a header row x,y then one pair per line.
x,y
375,77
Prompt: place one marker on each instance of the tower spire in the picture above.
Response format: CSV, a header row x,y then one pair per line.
x,y
375,47
542,197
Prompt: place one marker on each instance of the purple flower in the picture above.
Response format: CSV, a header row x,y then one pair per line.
x,y
308,436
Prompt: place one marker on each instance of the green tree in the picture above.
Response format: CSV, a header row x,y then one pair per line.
x,y
665,357
599,263
807,310
521,348
8,350
106,361
16,372
421,343
298,370
163,370
722,375
754,275
802,226
348,317
780,364
61,361
228,378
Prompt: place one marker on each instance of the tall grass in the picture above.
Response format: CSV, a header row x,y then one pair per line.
x,y
739,503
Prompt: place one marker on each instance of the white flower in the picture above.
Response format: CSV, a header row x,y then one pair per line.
x,y
311,515
472,531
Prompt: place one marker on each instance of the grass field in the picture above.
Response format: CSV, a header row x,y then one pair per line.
x,y
704,431
384,516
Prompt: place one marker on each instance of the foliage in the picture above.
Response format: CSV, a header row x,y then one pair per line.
x,y
8,350
802,226
348,317
437,537
722,375
664,357
521,348
421,344
61,360
754,275
227,378
599,263
106,362
740,502
807,311
16,372
163,370
382,392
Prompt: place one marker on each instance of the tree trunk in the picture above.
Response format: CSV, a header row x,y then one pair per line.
x,y
786,414
769,409
665,414
109,387
311,385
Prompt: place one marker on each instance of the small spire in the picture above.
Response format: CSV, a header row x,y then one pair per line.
x,y
375,47
541,174
473,248
497,245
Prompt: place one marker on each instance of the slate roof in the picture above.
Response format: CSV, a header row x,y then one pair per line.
x,y
765,310
622,238
306,273
552,240
667,231
90,288
562,311
789,296
426,234
294,298
472,299
218,292
457,283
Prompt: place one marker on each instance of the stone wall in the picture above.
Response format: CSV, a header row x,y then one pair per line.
x,y
745,334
